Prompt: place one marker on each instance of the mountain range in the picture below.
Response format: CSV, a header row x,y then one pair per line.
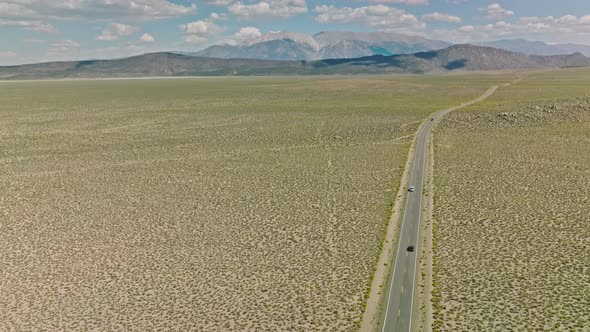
x,y
343,45
324,45
456,57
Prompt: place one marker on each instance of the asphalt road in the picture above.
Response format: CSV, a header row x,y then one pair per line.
x,y
400,299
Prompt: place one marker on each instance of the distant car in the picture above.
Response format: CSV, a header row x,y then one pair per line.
x,y
411,189
432,119
411,248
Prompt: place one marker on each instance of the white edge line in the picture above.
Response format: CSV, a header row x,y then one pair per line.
x,y
487,94
490,91
399,245
418,242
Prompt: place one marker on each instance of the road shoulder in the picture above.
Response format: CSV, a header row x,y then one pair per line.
x,y
371,320
425,276
373,314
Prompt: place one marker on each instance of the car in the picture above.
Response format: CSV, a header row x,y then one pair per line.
x,y
432,119
411,189
411,248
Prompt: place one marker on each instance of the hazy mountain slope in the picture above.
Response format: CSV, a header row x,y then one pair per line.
x,y
522,46
573,48
324,45
469,57
284,49
148,65
348,49
299,38
536,47
457,57
394,43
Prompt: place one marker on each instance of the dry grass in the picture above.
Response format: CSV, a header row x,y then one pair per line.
x,y
512,207
201,204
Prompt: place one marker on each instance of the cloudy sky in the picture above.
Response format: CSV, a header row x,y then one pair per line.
x,y
47,30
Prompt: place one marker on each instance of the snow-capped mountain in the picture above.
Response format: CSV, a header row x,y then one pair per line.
x,y
324,45
283,35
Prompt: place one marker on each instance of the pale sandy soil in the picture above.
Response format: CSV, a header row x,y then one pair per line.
x,y
372,315
251,204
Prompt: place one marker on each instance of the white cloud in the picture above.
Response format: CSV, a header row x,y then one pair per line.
x,y
244,36
536,19
198,32
70,50
63,47
268,9
93,9
219,2
7,55
376,16
495,11
466,28
568,24
32,14
247,33
147,38
567,28
116,30
28,25
194,39
436,16
563,21
199,28
34,41
405,2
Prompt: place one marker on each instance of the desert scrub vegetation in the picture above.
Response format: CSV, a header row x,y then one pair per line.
x,y
221,204
512,210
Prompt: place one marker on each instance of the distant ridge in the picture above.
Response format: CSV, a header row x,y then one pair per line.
x,y
536,47
456,57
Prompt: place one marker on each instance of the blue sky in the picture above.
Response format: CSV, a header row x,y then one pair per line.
x,y
43,30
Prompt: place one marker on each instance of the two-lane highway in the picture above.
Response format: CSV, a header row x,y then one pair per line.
x,y
400,299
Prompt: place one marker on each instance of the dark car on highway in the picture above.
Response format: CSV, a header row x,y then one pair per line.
x,y
411,248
